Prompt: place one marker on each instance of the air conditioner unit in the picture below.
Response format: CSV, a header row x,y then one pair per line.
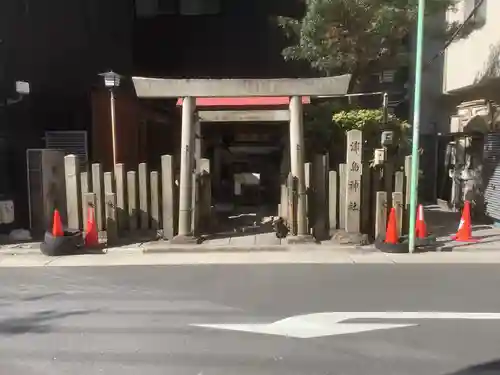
x,y
72,142
46,187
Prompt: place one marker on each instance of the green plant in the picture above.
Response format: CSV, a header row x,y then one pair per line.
x,y
360,37
371,123
326,128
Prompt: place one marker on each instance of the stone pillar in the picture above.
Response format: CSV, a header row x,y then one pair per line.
x,y
320,171
297,167
195,213
285,160
185,189
72,175
353,181
216,170
197,143
284,171
168,197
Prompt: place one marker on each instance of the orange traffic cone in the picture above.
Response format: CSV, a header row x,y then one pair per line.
x,y
91,238
391,235
464,232
421,230
57,228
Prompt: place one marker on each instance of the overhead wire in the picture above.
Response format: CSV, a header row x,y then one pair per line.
x,y
456,33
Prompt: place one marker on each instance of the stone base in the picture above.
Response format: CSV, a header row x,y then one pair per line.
x,y
341,237
301,240
185,240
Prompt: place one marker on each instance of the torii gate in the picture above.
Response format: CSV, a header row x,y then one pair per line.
x,y
190,89
225,112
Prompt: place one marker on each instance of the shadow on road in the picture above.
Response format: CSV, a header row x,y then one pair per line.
x,y
39,297
488,368
444,223
35,323
466,245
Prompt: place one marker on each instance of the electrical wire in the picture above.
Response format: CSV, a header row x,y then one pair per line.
x,y
456,33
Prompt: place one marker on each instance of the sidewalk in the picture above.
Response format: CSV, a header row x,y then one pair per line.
x,y
247,244
353,258
444,224
440,222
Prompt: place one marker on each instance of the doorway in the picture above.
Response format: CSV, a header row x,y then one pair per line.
x,y
246,161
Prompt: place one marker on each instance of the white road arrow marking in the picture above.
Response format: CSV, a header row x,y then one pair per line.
x,y
331,323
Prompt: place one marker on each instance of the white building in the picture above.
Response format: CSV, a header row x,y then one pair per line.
x,y
472,63
470,99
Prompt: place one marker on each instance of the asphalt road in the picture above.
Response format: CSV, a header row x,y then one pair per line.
x,y
139,320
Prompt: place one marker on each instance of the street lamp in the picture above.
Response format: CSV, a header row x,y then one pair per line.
x,y
112,82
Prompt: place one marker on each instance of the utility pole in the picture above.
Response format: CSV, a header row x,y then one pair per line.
x,y
416,125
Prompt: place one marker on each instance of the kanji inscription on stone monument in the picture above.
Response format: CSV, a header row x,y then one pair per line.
x,y
353,180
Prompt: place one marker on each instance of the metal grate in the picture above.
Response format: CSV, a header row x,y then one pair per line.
x,y
491,175
35,185
71,142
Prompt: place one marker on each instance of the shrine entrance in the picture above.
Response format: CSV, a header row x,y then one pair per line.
x,y
246,163
232,154
245,174
245,139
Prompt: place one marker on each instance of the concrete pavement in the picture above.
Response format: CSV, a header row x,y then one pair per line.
x,y
141,320
440,222
300,256
266,248
488,239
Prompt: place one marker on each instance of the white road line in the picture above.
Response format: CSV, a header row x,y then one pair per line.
x,y
333,323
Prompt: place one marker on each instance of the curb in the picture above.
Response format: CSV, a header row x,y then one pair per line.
x,y
19,251
209,249
16,253
247,249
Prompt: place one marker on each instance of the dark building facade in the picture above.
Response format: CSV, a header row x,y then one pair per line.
x,y
220,39
60,47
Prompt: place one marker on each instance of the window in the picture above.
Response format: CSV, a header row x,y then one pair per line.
x,y
199,7
146,8
387,76
167,7
151,8
479,16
